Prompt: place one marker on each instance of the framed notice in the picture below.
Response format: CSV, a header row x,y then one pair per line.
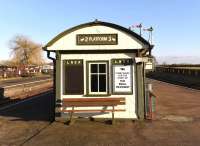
x,y
73,79
122,78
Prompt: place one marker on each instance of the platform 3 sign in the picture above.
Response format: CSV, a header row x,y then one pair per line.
x,y
96,39
122,79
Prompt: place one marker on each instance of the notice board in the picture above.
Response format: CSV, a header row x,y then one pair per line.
x,y
73,77
122,78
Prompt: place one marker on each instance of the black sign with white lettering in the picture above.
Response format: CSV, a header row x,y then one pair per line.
x,y
122,61
73,62
97,39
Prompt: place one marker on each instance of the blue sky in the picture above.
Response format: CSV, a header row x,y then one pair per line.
x,y
176,23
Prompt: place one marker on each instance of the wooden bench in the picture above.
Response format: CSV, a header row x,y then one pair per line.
x,y
92,102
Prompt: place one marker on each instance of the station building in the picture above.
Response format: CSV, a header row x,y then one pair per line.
x,y
100,60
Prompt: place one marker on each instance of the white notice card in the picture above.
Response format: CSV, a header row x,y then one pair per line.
x,y
122,78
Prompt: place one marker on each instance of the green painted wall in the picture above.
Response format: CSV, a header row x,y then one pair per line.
x,y
140,90
58,86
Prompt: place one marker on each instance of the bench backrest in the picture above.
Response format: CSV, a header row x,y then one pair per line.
x,y
83,102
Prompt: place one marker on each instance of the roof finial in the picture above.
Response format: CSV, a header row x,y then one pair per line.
x,y
96,20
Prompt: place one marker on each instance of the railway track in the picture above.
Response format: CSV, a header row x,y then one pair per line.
x,y
20,92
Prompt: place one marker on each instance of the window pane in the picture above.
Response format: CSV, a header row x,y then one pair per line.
x,y
102,83
102,68
94,83
93,68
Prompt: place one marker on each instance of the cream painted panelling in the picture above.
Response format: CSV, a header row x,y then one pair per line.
x,y
68,42
130,99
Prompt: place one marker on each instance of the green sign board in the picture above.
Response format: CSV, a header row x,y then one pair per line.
x,y
73,62
122,61
96,39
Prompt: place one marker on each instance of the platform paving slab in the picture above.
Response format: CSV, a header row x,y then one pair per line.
x,y
177,123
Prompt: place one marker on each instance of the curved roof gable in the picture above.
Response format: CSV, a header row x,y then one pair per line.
x,y
52,44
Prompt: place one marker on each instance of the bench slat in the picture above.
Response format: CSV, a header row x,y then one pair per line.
x,y
116,110
93,99
88,102
83,104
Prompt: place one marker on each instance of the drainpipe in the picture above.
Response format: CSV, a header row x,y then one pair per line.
x,y
53,114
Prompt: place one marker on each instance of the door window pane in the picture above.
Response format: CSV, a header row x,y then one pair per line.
x,y
94,68
102,68
102,83
94,83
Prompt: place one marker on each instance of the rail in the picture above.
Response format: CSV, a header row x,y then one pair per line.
x,y
27,83
14,93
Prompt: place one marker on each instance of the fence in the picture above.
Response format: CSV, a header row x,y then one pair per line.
x,y
188,71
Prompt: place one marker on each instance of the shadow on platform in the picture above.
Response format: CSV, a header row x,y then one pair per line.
x,y
39,107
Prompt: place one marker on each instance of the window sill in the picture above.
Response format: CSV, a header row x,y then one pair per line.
x,y
94,95
122,93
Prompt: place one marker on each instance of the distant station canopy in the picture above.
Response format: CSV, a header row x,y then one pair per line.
x,y
97,64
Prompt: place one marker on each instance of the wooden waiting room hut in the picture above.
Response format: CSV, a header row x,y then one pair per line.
x,y
99,71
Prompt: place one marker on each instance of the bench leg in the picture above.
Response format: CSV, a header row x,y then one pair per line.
x,y
113,116
71,116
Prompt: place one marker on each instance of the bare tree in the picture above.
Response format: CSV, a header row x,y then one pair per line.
x,y
25,52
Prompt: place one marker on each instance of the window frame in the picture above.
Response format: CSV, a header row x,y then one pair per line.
x,y
88,78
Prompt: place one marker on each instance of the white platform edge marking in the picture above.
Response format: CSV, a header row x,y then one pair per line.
x,y
26,83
